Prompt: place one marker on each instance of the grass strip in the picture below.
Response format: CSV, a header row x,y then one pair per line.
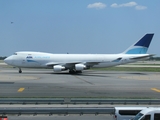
x,y
142,69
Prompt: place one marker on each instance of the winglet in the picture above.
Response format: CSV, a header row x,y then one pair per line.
x,y
141,46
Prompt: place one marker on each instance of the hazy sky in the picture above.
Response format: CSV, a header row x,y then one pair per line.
x,y
77,26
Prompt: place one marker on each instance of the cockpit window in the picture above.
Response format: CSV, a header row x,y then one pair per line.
x,y
15,54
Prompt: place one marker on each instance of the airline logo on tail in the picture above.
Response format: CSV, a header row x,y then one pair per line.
x,y
141,46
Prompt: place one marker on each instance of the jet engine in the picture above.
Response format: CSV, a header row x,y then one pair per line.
x,y
80,67
58,68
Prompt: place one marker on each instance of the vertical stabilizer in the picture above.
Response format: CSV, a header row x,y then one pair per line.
x,y
141,46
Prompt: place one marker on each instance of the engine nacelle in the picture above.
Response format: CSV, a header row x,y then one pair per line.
x,y
80,67
58,68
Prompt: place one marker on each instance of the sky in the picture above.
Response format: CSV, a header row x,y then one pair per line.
x,y
76,26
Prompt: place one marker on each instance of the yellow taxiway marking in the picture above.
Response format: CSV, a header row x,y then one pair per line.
x,y
155,89
21,89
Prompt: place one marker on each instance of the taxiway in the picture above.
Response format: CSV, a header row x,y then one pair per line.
x,y
93,84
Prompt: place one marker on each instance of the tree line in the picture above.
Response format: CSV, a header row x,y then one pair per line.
x,y
155,58
2,58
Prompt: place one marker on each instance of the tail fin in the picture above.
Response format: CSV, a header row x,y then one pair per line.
x,y
141,46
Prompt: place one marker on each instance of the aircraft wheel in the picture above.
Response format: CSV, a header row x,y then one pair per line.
x,y
20,71
74,72
71,71
79,71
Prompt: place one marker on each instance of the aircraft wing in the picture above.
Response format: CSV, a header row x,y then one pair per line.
x,y
72,64
56,63
91,63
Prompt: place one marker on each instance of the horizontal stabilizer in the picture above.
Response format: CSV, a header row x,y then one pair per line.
x,y
142,57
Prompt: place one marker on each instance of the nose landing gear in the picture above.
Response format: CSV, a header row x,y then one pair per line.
x,y
20,71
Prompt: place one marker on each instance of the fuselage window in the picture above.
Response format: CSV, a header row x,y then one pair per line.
x,y
15,54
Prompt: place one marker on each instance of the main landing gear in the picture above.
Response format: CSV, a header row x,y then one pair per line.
x,y
20,71
74,71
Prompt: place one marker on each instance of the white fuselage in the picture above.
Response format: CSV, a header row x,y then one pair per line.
x,y
78,62
44,60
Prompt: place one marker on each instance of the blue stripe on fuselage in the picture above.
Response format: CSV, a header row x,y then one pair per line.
x,y
31,61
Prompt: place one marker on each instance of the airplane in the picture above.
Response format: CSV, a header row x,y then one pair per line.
x,y
76,63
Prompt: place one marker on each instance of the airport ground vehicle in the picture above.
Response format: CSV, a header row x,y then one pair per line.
x,y
148,114
126,113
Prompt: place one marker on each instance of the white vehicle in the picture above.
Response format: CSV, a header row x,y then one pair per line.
x,y
148,114
126,113
79,62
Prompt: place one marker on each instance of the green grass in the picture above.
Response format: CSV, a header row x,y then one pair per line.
x,y
142,69
145,64
1,61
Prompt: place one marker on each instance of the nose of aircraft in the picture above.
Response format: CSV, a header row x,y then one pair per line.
x,y
8,60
